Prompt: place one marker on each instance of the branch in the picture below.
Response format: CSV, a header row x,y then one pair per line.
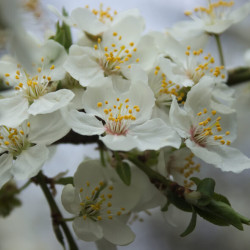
x,y
238,75
56,215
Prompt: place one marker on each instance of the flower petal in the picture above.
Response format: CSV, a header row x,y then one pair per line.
x,y
30,161
155,134
14,111
5,168
47,128
51,102
87,230
70,199
85,124
117,232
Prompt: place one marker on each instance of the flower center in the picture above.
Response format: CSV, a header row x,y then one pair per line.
x,y
103,15
112,58
32,87
14,140
213,12
118,116
97,205
209,130
195,70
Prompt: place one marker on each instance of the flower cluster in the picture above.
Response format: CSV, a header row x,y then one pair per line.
x,y
137,93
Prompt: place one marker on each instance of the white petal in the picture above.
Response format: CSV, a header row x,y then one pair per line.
x,y
87,230
155,134
51,102
105,245
218,27
87,21
180,120
70,199
47,128
89,171
85,124
53,53
207,154
5,168
29,162
82,65
117,232
232,159
14,111
119,142
240,13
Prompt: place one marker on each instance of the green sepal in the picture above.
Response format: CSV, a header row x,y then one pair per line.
x,y
191,225
124,172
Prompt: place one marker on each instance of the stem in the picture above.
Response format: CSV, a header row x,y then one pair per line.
x,y
55,212
217,38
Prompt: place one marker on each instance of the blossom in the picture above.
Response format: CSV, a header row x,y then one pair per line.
x,y
99,205
178,166
36,93
23,149
123,119
215,18
207,132
95,22
113,56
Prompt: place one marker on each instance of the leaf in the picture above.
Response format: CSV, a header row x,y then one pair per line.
x,y
206,188
124,172
222,198
191,225
196,180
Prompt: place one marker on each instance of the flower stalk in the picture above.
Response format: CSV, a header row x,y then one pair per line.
x,y
55,212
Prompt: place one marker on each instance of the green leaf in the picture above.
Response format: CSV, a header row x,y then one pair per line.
x,y
206,188
222,198
124,172
191,225
196,180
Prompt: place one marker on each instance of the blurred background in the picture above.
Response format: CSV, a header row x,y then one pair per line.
x,y
29,227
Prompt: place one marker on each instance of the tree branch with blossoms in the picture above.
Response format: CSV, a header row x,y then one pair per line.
x,y
156,107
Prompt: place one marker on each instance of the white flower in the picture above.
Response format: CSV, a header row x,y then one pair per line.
x,y
113,56
35,92
99,205
216,17
207,132
178,166
95,22
123,119
23,149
